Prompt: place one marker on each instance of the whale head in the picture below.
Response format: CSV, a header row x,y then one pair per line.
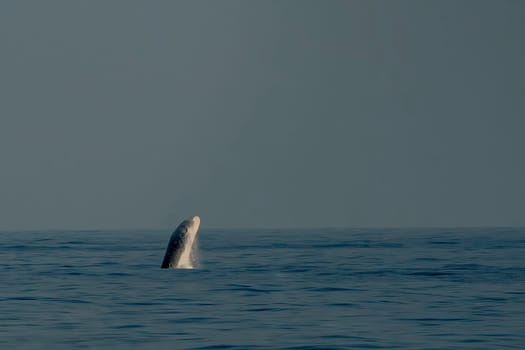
x,y
191,224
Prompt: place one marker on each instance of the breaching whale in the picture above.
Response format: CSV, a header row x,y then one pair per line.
x,y
179,253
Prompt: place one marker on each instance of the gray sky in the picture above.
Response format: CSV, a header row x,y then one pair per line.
x,y
134,114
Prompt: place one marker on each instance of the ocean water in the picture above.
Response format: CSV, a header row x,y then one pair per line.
x,y
265,289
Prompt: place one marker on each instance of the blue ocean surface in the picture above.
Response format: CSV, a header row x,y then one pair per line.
x,y
265,289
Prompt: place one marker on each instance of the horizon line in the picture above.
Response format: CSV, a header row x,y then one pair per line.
x,y
237,228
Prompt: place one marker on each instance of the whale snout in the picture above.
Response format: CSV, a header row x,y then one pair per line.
x,y
196,220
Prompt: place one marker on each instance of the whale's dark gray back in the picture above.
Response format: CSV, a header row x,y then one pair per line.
x,y
174,248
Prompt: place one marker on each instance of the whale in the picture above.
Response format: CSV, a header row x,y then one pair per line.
x,y
180,252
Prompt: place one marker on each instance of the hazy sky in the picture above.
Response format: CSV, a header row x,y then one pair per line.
x,y
135,114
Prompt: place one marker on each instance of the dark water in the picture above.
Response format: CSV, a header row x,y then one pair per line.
x,y
293,289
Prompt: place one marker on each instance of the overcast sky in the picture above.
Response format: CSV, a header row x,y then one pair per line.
x,y
136,114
